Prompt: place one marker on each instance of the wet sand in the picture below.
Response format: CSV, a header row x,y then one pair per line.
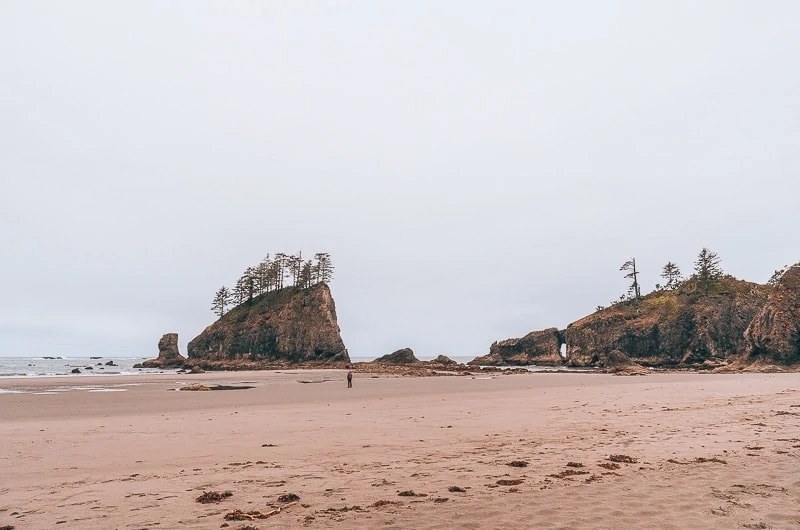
x,y
589,451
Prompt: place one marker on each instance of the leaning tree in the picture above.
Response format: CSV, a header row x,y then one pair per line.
x,y
633,275
222,299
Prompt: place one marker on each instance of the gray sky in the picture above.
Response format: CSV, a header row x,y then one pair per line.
x,y
477,170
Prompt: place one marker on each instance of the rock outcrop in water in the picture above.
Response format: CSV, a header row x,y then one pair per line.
x,y
401,356
676,328
443,360
774,334
168,354
290,325
538,347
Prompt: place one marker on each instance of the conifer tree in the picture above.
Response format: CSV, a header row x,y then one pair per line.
x,y
295,265
707,269
222,299
280,262
306,273
324,267
262,275
672,274
239,292
249,277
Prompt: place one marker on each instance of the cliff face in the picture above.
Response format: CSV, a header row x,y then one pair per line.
x,y
168,355
671,328
774,333
290,325
538,347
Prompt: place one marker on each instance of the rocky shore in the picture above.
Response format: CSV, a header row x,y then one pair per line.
x,y
737,326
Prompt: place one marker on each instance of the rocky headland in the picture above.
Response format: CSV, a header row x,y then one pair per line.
x,y
773,336
736,325
677,328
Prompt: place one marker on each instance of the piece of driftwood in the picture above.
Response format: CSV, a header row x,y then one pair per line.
x,y
239,515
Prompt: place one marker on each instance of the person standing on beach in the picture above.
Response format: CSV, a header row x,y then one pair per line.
x,y
349,379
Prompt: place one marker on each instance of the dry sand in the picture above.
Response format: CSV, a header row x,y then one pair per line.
x,y
710,451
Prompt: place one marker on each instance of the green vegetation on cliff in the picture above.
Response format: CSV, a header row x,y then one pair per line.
x,y
273,274
697,322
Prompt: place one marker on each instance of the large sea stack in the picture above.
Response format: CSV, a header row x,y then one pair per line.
x,y
168,354
682,327
774,334
538,347
288,325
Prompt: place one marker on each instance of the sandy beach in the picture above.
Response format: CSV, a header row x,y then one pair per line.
x,y
588,451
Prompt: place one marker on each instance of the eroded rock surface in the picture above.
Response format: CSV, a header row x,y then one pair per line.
x,y
681,328
443,360
168,354
401,356
774,333
291,325
538,347
616,362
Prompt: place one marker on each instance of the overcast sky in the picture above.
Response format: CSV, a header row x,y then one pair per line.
x,y
477,170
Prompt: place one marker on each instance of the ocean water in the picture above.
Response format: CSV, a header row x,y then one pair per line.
x,y
464,360
461,359
89,366
94,366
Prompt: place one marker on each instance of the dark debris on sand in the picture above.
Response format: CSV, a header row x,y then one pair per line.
x,y
701,460
288,497
698,460
568,473
625,459
410,493
213,496
240,515
355,508
378,504
510,482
